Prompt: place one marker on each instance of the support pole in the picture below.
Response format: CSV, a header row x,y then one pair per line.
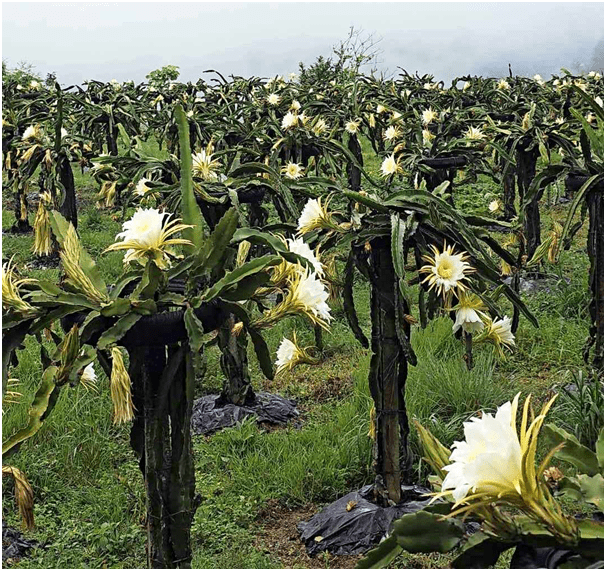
x,y
388,371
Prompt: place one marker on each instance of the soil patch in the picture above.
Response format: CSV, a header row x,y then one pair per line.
x,y
280,538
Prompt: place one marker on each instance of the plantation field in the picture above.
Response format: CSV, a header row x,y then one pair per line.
x,y
257,481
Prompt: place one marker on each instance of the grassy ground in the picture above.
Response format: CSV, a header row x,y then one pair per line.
x,y
90,503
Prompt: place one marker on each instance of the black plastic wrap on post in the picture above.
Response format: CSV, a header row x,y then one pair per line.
x,y
165,328
444,162
526,170
388,372
595,250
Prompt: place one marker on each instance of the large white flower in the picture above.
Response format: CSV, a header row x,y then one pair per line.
x,y
469,313
298,246
312,215
320,126
428,116
32,132
311,293
292,171
88,375
142,189
353,126
273,99
390,166
290,120
391,133
147,235
446,270
495,206
287,355
474,134
499,332
145,226
204,166
489,460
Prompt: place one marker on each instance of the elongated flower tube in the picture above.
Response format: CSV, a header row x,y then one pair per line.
x,y
42,227
120,389
70,258
495,464
146,236
24,494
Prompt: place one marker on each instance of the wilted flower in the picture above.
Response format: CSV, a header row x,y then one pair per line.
x,y
428,136
147,236
11,297
320,126
120,389
466,85
295,105
390,166
538,79
446,270
42,227
76,277
292,171
381,109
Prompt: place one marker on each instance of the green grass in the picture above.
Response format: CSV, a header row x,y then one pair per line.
x,y
89,497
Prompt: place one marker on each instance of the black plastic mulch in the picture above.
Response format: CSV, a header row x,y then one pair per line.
x,y
14,545
343,532
211,414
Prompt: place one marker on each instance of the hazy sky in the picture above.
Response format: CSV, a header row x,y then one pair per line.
x,y
126,40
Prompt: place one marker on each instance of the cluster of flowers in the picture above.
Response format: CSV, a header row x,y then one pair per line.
x,y
447,274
